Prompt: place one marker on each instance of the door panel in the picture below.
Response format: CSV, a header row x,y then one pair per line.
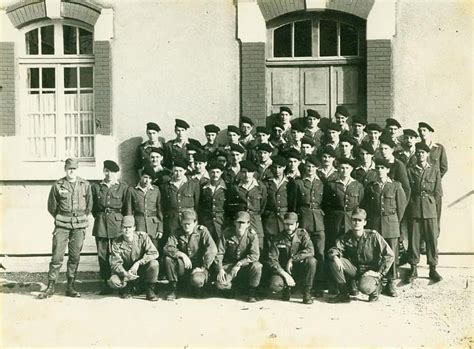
x,y
314,90
346,88
283,89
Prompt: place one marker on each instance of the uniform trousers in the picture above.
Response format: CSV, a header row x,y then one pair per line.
x,y
73,239
251,273
426,229
304,271
104,246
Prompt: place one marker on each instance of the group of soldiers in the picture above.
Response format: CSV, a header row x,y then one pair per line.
x,y
308,201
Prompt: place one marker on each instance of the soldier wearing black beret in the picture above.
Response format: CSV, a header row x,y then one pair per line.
x,y
392,129
374,131
176,148
143,150
358,125
406,153
285,118
276,136
211,146
347,144
341,116
246,128
364,172
293,170
262,136
312,129
326,170
232,173
398,171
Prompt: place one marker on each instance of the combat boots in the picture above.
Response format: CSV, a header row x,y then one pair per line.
x,y
413,274
49,290
251,297
434,275
307,299
286,294
106,289
354,290
172,294
342,297
70,291
390,289
150,292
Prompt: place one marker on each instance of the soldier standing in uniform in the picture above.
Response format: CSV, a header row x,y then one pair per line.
x,y
348,146
108,210
326,171
398,171
189,253
365,172
264,161
291,254
200,173
307,148
293,168
341,115
392,129
69,202
210,148
385,203
262,136
232,173
276,138
358,133
407,152
143,151
246,127
237,258
333,132
161,174
176,148
373,137
312,130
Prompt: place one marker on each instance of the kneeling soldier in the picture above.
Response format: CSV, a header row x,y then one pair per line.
x,y
133,255
238,254
292,252
359,252
189,252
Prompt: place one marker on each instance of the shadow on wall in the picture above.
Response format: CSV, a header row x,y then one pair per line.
x,y
127,156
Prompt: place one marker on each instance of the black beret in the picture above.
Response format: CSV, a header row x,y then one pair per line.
x,y
358,120
342,161
193,147
264,147
237,147
279,160
262,129
194,142
212,128
278,125
153,126
383,162
183,163
349,139
233,128
374,127
388,141
422,146
248,165
326,149
292,153
200,156
297,127
111,166
282,109
313,113
246,120
410,132
367,147
149,171
157,150
425,125
333,126
312,159
340,109
215,165
308,140
322,124
181,123
392,122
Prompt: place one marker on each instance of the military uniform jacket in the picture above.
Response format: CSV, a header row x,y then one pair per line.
x,y
283,247
328,176
364,176
398,172
198,246
108,209
143,153
211,206
278,200
385,205
370,252
315,136
407,157
307,203
231,177
232,248
240,199
146,208
426,188
173,150
125,254
264,173
70,203
438,157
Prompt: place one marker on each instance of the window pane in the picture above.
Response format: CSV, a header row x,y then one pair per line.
x,y
32,42
282,41
327,38
303,39
86,77
49,78
349,42
69,40
33,77
70,77
85,41
47,40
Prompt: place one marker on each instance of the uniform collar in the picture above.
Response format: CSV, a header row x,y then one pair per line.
x,y
116,182
311,179
252,184
279,183
417,166
149,187
339,180
220,184
173,182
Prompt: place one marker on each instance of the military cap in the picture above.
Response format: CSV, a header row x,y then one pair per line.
x,y
333,127
358,120
367,147
128,221
348,139
200,156
368,284
188,216
278,125
237,147
288,110
198,278
298,127
293,154
322,124
277,284
425,125
392,122
279,160
248,165
242,216
157,150
211,128
71,163
346,161
246,120
326,149
409,132
181,123
148,170
264,147
308,140
193,147
313,113
383,162
388,141
290,217
312,159
215,165
153,126
111,166
374,127
341,110
422,146
180,163
359,213
233,128
262,129
194,142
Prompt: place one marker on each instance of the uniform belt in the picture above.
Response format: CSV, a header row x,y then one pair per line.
x,y
153,213
71,214
312,206
111,210
280,210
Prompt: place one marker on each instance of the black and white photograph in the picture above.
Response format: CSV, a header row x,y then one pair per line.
x,y
236,174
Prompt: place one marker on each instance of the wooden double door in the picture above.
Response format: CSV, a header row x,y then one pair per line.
x,y
321,88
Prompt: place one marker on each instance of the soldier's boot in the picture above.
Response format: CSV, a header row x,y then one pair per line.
x,y
172,294
286,294
150,292
412,274
106,289
318,291
374,296
49,292
251,296
126,292
342,297
353,290
434,275
70,291
307,299
390,289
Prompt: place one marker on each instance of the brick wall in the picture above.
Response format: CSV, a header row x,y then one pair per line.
x,y
379,80
102,87
253,81
7,90
274,8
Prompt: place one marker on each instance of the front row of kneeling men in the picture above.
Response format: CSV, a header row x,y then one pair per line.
x,y
191,259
